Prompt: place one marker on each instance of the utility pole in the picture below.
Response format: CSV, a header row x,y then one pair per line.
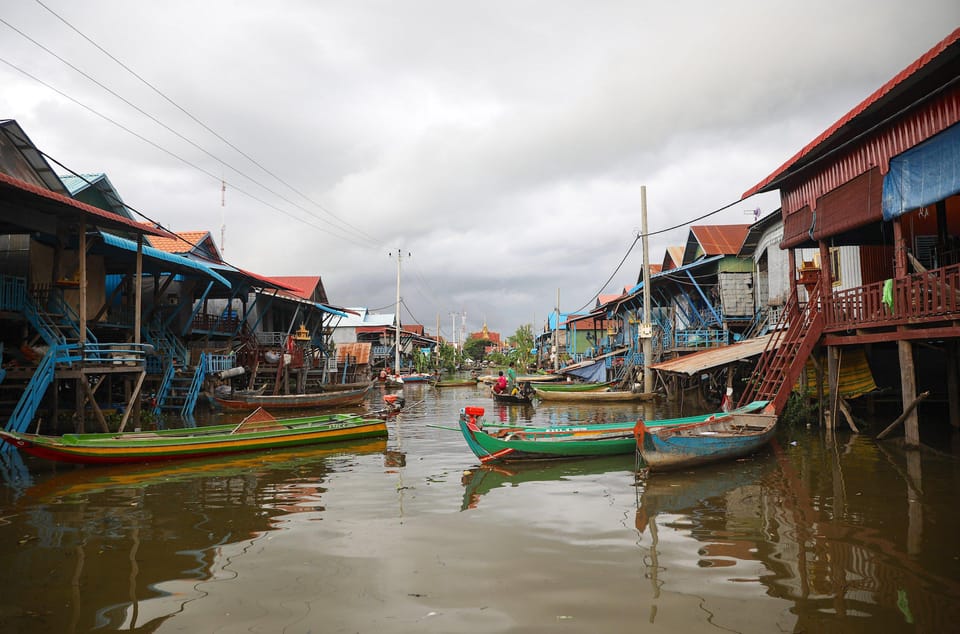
x,y
397,316
646,327
556,336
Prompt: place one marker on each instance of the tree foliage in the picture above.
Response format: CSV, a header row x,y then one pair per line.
x,y
521,343
476,348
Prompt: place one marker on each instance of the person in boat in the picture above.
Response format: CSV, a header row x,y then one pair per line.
x,y
511,379
501,385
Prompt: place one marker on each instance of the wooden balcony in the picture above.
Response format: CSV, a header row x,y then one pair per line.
x,y
215,324
928,301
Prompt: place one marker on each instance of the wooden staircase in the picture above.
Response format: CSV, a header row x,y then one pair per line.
x,y
786,353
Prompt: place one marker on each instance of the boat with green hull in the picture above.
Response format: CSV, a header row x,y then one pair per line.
x,y
494,443
257,432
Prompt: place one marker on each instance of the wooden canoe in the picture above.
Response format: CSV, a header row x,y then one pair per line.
x,y
596,396
457,383
499,443
257,432
318,400
342,387
722,437
573,387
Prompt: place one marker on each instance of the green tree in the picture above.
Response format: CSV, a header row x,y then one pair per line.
x,y
522,343
476,348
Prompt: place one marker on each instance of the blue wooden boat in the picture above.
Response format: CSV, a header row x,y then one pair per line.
x,y
503,443
720,437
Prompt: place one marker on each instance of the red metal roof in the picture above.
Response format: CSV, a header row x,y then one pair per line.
x,y
720,239
305,284
94,215
906,73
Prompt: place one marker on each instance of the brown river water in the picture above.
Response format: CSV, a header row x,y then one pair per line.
x,y
408,534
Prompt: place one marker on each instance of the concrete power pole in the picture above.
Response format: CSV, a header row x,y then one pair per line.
x,y
646,327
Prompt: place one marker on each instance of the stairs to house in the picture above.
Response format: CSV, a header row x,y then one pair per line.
x,y
782,361
180,388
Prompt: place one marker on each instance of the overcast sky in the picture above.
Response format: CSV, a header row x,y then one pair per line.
x,y
501,144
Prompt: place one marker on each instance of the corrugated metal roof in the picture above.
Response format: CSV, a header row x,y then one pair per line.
x,y
35,198
862,108
305,283
233,272
699,361
757,229
720,239
77,185
177,264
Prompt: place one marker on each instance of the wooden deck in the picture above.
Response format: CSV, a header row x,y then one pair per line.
x,y
923,304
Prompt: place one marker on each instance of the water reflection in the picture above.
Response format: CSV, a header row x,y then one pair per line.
x,y
835,528
479,481
123,548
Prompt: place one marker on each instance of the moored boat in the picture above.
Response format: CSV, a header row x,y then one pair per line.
x,y
603,396
318,400
521,395
257,432
456,383
499,443
721,437
573,387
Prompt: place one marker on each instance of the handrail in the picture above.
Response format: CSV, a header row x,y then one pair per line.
x,y
190,403
165,383
925,296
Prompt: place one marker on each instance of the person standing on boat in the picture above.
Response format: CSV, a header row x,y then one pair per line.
x,y
511,378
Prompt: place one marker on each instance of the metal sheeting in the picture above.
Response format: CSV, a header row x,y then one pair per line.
x,y
700,361
175,263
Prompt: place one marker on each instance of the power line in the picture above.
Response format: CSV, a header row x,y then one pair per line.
x,y
173,131
176,156
653,233
194,118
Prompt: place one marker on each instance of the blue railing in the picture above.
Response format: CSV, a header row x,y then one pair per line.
x,y
164,388
191,401
701,338
13,293
30,400
220,362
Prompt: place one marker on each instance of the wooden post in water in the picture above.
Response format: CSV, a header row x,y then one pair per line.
x,y
833,382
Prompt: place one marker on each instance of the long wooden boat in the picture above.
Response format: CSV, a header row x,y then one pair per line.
x,y
598,396
257,432
456,383
318,400
404,379
723,437
497,443
520,398
343,387
573,387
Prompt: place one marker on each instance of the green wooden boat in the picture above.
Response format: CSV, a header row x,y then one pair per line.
x,y
492,443
257,432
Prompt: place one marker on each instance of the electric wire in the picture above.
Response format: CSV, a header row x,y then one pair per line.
x,y
201,123
648,234
161,124
176,156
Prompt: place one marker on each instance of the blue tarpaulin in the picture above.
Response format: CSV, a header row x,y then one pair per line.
x,y
923,175
594,373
